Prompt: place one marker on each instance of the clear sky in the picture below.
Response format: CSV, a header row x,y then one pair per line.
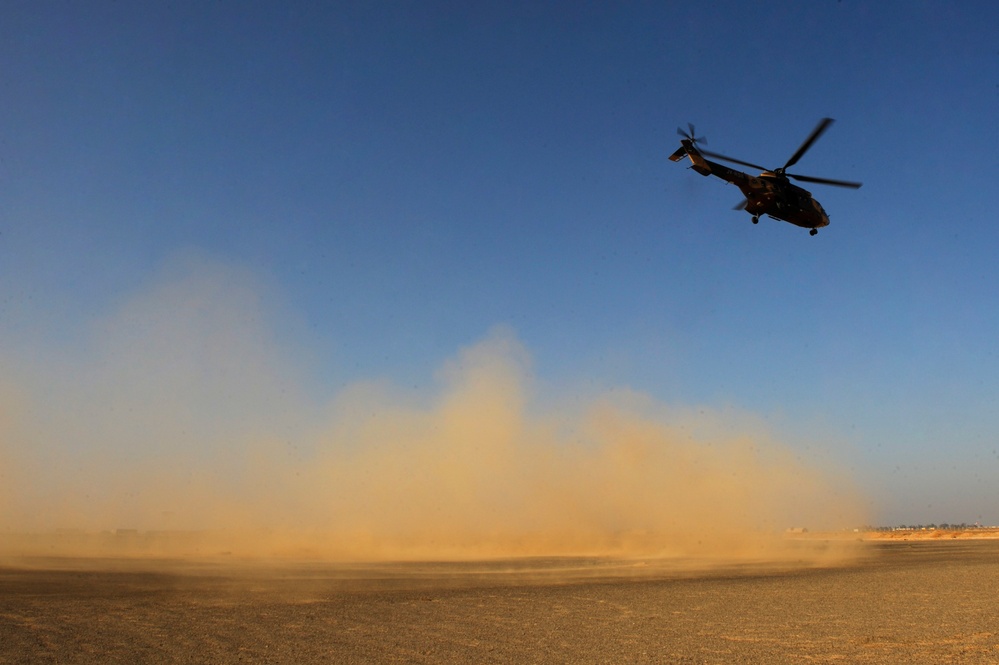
x,y
397,181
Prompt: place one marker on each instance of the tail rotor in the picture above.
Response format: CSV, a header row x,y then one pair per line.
x,y
691,134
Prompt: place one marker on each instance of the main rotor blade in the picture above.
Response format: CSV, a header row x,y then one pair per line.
x,y
816,133
825,181
741,205
733,160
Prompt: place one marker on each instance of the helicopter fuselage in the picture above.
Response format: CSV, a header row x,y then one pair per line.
x,y
766,194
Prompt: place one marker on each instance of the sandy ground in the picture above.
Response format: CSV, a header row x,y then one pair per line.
x,y
915,601
990,533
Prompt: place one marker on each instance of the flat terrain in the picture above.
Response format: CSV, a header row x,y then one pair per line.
x,y
933,601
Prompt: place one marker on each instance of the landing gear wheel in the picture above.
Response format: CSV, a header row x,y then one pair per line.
x,y
756,220
813,232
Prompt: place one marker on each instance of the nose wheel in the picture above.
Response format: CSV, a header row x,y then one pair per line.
x,y
813,232
756,219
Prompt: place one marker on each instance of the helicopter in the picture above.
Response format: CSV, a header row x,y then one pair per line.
x,y
771,193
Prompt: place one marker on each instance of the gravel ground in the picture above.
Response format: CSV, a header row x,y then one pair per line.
x,y
911,602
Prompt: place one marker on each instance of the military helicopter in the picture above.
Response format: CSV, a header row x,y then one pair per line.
x,y
770,193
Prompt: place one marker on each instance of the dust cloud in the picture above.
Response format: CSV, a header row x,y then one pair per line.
x,y
183,427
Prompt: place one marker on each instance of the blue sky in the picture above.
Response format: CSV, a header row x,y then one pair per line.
x,y
401,178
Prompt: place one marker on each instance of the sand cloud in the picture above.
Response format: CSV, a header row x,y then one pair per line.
x,y
183,413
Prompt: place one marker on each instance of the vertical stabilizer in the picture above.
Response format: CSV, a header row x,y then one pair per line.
x,y
698,163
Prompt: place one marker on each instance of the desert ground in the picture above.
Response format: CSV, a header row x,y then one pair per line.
x,y
916,600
